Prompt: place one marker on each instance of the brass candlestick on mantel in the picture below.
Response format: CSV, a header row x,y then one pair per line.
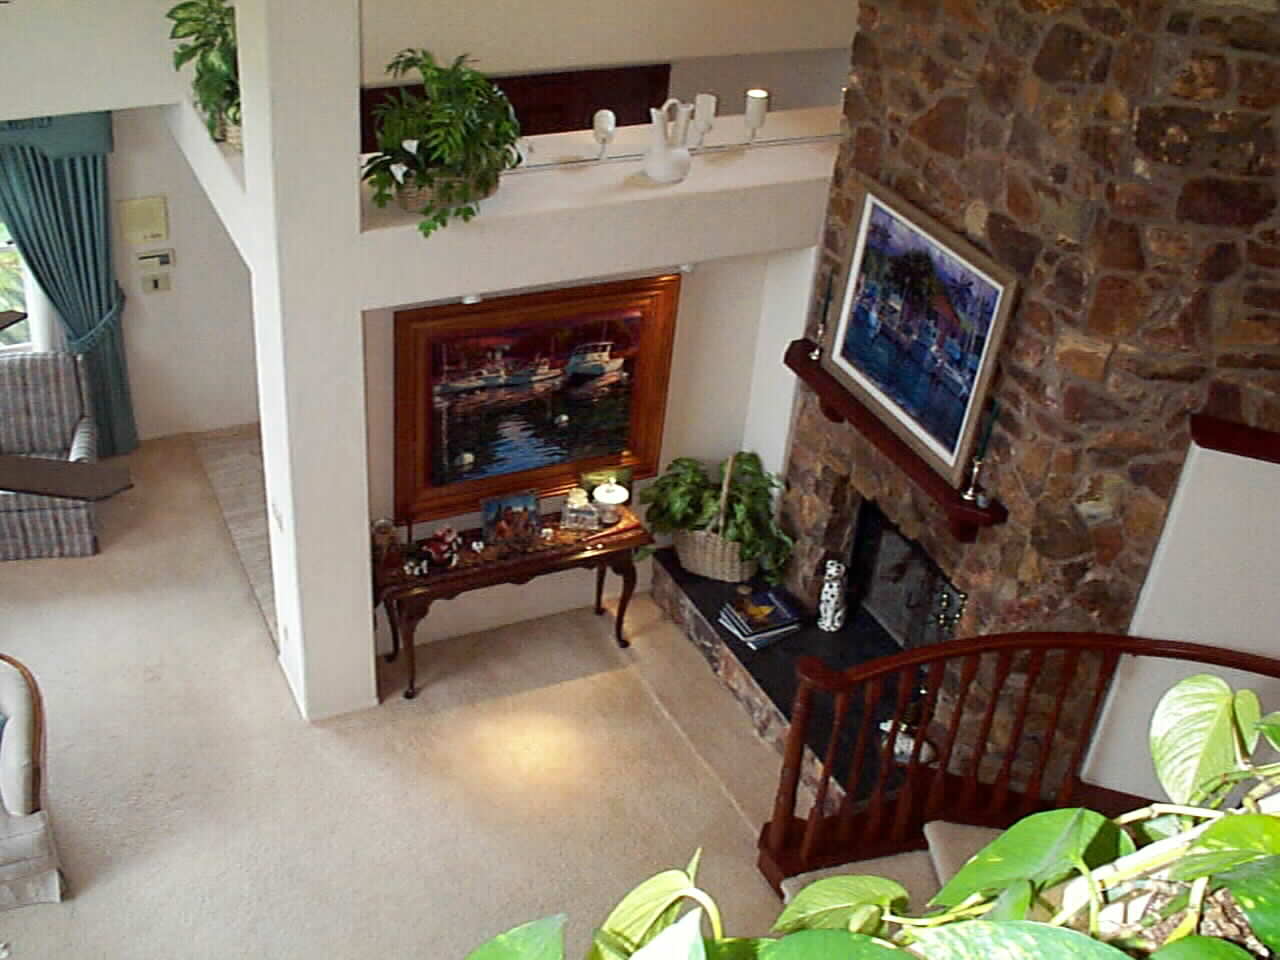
x,y
821,333
972,491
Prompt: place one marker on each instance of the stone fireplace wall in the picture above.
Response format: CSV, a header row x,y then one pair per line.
x,y
1120,156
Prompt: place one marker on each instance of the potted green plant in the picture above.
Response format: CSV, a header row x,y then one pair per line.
x,y
441,153
723,529
1177,881
207,29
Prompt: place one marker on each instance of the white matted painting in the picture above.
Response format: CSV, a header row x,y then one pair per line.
x,y
922,315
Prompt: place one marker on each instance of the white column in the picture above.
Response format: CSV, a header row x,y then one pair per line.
x,y
300,72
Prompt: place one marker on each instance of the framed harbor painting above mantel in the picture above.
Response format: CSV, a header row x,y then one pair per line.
x,y
527,392
922,313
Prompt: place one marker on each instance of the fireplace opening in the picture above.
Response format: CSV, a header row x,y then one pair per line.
x,y
898,598
897,583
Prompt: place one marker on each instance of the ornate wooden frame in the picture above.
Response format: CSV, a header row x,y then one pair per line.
x,y
417,498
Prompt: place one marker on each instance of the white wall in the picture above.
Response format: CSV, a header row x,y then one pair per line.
x,y
190,349
510,36
771,402
69,56
801,78
1213,581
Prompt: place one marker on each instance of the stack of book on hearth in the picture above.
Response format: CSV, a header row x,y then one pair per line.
x,y
760,617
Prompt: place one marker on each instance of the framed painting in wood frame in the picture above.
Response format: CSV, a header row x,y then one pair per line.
x,y
527,392
921,318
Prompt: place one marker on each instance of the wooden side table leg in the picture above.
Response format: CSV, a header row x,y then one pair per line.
x,y
624,565
600,572
409,627
393,622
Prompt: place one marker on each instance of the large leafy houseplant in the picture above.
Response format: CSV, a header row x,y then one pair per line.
x,y
207,29
448,146
685,497
1173,881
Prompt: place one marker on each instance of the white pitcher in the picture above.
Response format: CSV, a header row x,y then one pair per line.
x,y
667,160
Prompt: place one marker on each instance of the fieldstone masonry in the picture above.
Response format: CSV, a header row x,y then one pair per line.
x,y
1120,156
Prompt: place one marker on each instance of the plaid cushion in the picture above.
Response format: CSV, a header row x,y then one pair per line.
x,y
40,397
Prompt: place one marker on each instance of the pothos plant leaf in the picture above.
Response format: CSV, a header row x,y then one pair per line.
x,y
1201,948
680,941
1256,888
1269,727
540,940
1021,940
829,945
643,913
1014,902
830,903
1043,849
1229,843
1193,735
1248,712
734,948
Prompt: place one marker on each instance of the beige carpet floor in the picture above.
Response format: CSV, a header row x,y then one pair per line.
x,y
199,816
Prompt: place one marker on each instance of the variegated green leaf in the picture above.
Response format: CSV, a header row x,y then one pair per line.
x,y
540,940
829,945
980,940
828,904
1042,848
1256,888
1014,902
1269,726
1193,735
641,915
1201,948
680,941
734,948
1248,712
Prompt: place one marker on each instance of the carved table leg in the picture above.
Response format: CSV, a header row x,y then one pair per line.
x,y
393,622
409,620
600,572
624,565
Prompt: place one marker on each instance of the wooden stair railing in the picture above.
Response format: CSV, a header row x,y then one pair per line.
x,y
966,752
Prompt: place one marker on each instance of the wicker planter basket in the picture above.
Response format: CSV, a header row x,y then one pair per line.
x,y
413,199
233,136
710,555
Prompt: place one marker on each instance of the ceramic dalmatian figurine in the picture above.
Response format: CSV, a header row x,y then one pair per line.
x,y
831,605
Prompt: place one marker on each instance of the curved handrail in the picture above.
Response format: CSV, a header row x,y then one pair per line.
x,y
816,672
891,817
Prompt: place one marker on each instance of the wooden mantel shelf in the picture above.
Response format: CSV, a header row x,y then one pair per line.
x,y
964,518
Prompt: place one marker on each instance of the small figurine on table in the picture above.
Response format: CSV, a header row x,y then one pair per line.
x,y
438,552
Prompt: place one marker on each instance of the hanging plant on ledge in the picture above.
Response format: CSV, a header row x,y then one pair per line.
x,y
208,31
442,153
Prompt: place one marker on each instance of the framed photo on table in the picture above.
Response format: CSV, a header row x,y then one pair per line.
x,y
922,313
528,392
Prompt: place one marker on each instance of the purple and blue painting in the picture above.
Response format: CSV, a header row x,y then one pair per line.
x,y
915,325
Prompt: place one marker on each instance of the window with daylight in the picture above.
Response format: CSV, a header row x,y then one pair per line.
x,y
13,294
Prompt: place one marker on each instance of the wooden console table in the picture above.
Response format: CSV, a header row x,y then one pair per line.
x,y
407,599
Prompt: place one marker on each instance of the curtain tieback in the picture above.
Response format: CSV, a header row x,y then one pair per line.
x,y
110,321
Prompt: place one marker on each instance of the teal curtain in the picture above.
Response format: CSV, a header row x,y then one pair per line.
x,y
58,212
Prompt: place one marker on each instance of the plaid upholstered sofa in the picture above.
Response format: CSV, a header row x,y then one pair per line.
x,y
45,412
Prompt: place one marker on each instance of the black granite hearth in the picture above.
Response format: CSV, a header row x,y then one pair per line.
x,y
773,667
765,680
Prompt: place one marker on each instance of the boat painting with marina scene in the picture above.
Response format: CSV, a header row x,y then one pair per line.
x,y
921,320
526,397
527,391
